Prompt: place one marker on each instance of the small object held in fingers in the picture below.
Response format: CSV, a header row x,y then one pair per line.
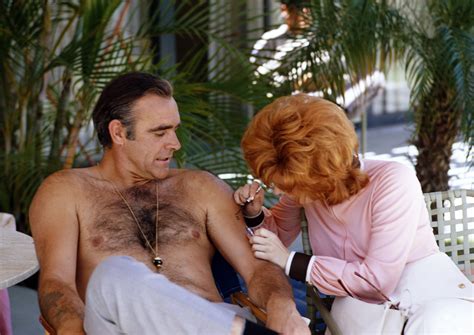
x,y
250,199
249,231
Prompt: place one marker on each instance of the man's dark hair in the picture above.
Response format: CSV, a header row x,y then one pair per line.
x,y
296,4
117,100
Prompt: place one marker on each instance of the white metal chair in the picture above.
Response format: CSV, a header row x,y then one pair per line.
x,y
452,218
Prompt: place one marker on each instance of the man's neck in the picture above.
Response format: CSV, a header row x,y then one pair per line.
x,y
114,169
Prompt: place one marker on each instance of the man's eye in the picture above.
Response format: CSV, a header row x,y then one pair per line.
x,y
159,134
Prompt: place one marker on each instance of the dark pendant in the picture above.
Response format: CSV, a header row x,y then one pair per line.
x,y
158,262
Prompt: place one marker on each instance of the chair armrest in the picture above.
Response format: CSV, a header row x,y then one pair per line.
x,y
325,314
49,330
241,299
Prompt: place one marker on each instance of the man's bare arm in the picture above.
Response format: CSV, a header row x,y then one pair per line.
x,y
61,306
56,231
267,285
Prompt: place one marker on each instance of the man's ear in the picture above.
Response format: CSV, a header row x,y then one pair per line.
x,y
118,133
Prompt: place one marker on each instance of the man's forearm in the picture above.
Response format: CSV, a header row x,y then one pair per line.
x,y
268,284
61,307
270,288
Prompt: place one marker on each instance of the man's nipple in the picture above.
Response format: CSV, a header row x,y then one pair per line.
x,y
97,241
195,234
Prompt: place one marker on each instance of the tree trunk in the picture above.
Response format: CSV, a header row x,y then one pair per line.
x,y
437,124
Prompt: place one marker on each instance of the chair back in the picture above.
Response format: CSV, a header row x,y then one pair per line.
x,y
451,215
316,302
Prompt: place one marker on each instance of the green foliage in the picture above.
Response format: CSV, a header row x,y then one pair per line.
x,y
57,56
348,39
440,69
341,39
440,54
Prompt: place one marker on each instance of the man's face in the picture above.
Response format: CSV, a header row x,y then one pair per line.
x,y
154,142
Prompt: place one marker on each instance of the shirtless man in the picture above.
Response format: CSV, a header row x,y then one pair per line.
x,y
80,217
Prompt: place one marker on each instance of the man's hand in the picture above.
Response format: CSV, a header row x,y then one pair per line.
x,y
266,245
285,319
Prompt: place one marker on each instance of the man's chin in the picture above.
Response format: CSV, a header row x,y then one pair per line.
x,y
162,173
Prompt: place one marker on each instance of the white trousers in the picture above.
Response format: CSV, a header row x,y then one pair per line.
x,y
436,297
125,297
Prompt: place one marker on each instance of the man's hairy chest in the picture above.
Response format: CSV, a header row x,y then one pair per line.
x,y
110,226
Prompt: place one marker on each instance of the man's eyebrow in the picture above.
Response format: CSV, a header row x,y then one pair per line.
x,y
163,127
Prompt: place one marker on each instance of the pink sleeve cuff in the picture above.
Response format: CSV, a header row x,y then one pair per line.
x,y
310,266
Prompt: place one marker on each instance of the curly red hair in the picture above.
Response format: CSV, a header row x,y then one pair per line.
x,y
307,147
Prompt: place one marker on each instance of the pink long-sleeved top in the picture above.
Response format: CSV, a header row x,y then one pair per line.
x,y
375,233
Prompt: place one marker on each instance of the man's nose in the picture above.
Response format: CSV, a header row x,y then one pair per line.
x,y
174,142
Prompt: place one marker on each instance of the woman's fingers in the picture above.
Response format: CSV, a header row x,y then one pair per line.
x,y
269,247
265,233
265,245
254,189
241,195
237,198
262,255
247,193
260,247
259,240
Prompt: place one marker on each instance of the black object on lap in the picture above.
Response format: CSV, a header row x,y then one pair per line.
x,y
252,328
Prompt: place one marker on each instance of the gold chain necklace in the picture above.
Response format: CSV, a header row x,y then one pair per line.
x,y
157,261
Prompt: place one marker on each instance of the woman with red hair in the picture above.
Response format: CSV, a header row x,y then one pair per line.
x,y
368,225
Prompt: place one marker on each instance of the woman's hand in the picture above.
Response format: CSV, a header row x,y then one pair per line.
x,y
250,197
266,245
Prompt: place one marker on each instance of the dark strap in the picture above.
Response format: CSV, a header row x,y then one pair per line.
x,y
255,221
299,266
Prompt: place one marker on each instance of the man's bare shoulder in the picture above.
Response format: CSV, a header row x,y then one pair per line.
x,y
200,181
64,182
69,176
54,206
